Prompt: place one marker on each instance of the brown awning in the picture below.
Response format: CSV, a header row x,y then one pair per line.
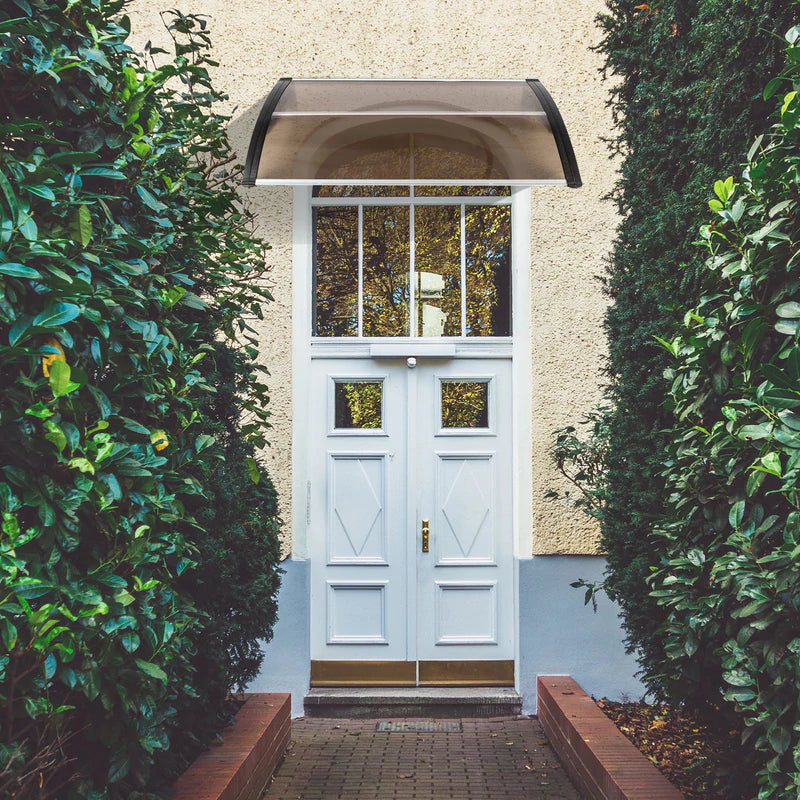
x,y
437,132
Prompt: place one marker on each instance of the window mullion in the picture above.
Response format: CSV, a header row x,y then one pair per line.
x,y
463,271
360,270
412,275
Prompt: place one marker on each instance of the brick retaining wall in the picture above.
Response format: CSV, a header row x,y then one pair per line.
x,y
600,760
240,768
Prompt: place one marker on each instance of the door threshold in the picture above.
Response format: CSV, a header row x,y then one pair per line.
x,y
413,701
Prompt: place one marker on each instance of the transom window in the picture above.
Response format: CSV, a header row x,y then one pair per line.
x,y
411,261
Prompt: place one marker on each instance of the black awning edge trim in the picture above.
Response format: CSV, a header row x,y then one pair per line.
x,y
559,129
260,132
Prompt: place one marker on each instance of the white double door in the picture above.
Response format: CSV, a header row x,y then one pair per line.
x,y
410,510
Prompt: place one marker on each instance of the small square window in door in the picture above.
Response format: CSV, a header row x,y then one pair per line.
x,y
465,404
358,404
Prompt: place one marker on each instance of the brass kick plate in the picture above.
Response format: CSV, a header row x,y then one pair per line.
x,y
330,674
466,673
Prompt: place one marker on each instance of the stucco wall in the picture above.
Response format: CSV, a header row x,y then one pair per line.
x,y
571,230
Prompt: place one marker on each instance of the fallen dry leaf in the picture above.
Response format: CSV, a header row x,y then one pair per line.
x,y
682,746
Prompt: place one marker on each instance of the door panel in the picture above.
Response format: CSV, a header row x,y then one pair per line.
x,y
356,524
464,509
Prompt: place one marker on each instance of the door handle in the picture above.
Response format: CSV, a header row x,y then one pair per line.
x,y
426,535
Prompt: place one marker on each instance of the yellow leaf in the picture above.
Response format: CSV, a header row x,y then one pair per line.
x,y
48,359
159,439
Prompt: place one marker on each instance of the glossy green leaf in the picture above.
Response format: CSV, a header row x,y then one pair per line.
x,y
19,270
779,739
8,633
252,469
40,190
82,464
40,411
149,199
130,641
54,433
59,378
81,226
153,670
736,514
56,314
50,666
790,310
11,198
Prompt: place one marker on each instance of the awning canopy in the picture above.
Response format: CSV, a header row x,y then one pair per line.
x,y
437,132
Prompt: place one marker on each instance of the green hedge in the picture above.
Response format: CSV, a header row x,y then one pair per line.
x,y
730,581
686,94
128,274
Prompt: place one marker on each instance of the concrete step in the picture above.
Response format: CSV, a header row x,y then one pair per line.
x,y
425,702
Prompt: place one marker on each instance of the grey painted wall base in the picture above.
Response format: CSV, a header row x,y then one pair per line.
x,y
287,659
558,634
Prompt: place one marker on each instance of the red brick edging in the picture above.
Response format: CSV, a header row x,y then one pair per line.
x,y
600,760
240,767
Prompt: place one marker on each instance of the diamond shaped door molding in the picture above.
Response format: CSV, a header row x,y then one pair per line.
x,y
465,501
356,526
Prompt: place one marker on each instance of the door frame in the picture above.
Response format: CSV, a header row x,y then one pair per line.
x,y
301,351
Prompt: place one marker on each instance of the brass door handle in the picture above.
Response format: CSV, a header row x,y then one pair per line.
x,y
426,536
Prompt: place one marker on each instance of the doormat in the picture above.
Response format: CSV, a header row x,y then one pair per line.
x,y
425,726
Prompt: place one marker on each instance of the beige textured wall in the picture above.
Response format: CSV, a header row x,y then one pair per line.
x,y
256,43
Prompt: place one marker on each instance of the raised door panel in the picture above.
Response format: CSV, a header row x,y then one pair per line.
x,y
465,612
356,526
465,508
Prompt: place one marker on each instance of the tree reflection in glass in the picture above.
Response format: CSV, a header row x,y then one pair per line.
x,y
336,271
358,404
361,191
461,191
386,270
488,257
437,261
465,404
438,255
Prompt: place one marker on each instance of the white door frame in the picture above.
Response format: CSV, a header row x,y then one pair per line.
x,y
302,244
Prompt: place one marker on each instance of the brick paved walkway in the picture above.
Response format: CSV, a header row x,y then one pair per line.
x,y
493,759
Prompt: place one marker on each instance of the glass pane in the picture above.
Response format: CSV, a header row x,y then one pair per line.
x,y
336,271
465,404
462,191
361,191
488,254
358,404
437,262
386,269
